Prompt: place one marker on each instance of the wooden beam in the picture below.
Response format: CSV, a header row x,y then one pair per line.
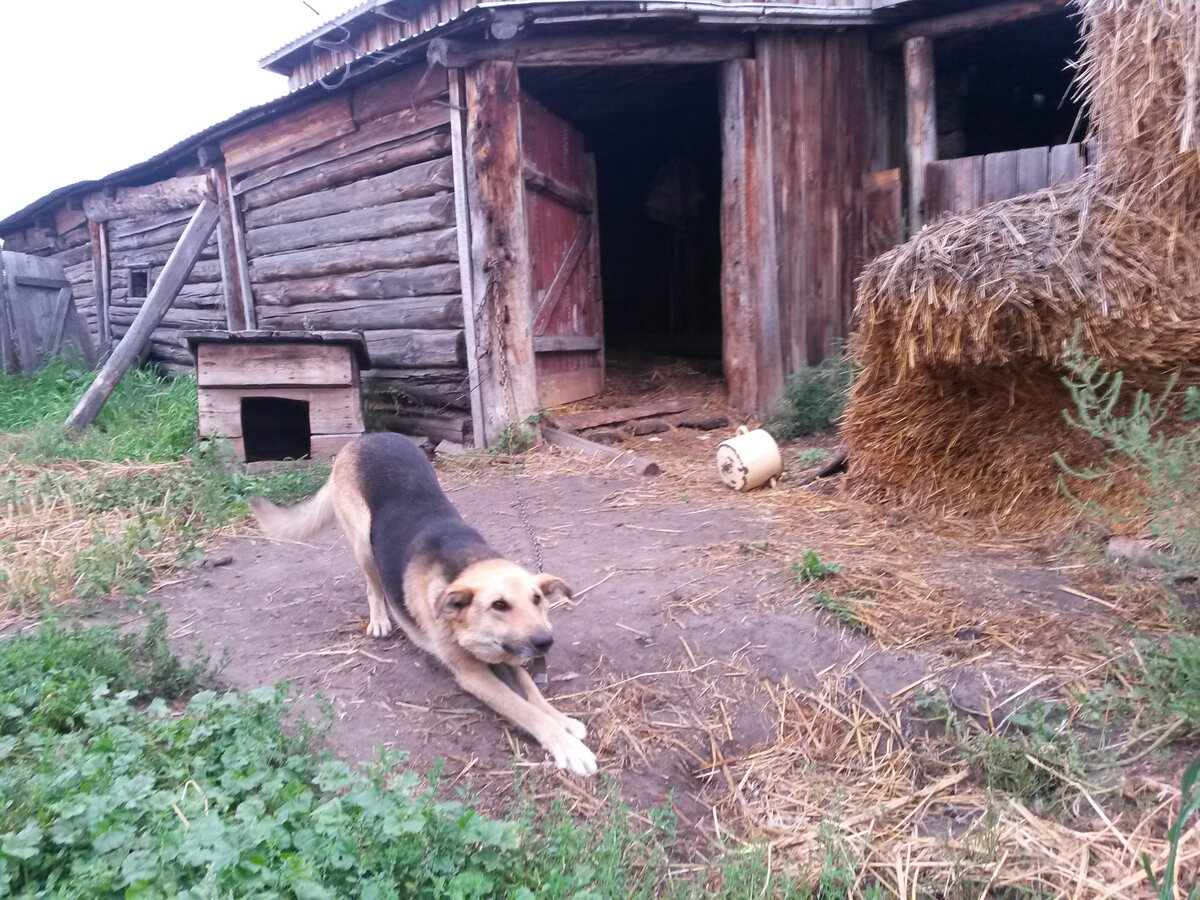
x,y
580,50
593,418
101,280
466,265
920,92
562,343
971,20
501,271
231,249
739,232
174,274
421,249
639,464
174,193
553,188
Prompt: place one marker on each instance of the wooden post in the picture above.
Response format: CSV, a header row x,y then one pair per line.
x,y
740,235
231,246
8,353
500,278
101,280
466,264
919,92
162,295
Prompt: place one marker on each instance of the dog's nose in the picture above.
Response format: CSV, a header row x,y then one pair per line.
x,y
542,642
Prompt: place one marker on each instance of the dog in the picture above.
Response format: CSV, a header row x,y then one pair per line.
x,y
433,575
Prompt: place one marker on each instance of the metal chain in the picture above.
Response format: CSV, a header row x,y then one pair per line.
x,y
538,669
509,403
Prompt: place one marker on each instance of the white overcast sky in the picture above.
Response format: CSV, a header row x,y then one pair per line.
x,y
88,87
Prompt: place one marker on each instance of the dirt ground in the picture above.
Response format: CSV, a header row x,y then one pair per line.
x,y
686,622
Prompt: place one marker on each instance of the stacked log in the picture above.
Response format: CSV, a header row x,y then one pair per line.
x,y
348,211
145,242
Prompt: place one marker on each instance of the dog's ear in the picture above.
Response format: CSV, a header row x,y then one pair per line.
x,y
454,599
553,587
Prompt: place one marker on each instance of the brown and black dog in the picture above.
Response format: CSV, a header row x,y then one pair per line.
x,y
432,574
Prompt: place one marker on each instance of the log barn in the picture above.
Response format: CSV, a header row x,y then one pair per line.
x,y
500,195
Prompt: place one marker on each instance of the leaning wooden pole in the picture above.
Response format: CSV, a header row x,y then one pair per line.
x,y
162,295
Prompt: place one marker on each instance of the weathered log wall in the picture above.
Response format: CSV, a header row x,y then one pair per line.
x,y
147,241
349,218
338,215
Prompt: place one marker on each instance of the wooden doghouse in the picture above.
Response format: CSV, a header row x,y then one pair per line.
x,y
279,394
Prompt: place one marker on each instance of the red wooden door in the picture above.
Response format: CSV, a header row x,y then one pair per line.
x,y
560,209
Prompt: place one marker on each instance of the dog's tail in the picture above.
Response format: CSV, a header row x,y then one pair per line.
x,y
299,522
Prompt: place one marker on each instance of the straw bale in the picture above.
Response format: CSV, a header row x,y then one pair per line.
x,y
961,329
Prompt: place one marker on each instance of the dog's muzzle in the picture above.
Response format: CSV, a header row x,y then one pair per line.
x,y
537,645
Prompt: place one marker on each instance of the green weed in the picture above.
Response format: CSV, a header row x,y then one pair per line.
x,y
110,784
1189,802
517,437
813,399
147,492
838,609
1037,754
810,456
812,568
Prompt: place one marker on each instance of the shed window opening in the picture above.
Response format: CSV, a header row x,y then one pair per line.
x,y
139,283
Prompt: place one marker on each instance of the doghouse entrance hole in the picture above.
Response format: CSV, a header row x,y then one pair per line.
x,y
275,428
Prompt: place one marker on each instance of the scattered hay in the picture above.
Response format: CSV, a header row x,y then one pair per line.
x,y
840,773
45,529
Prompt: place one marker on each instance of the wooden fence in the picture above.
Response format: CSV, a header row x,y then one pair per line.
x,y
960,185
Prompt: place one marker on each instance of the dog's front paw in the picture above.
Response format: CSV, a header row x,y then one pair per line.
x,y
571,754
574,727
380,628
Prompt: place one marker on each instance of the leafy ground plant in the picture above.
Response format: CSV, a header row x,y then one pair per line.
x,y
812,568
132,788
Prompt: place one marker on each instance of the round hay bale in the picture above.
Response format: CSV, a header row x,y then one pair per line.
x,y
958,404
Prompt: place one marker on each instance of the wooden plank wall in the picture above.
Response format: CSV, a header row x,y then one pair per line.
x,y
812,152
348,210
963,184
68,240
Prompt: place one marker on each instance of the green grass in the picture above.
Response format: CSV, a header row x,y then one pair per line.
x,y
149,417
118,777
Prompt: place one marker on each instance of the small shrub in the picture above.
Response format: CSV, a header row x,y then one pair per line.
x,y
814,398
517,437
1141,437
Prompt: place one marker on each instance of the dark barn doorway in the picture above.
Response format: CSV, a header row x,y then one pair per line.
x,y
655,134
